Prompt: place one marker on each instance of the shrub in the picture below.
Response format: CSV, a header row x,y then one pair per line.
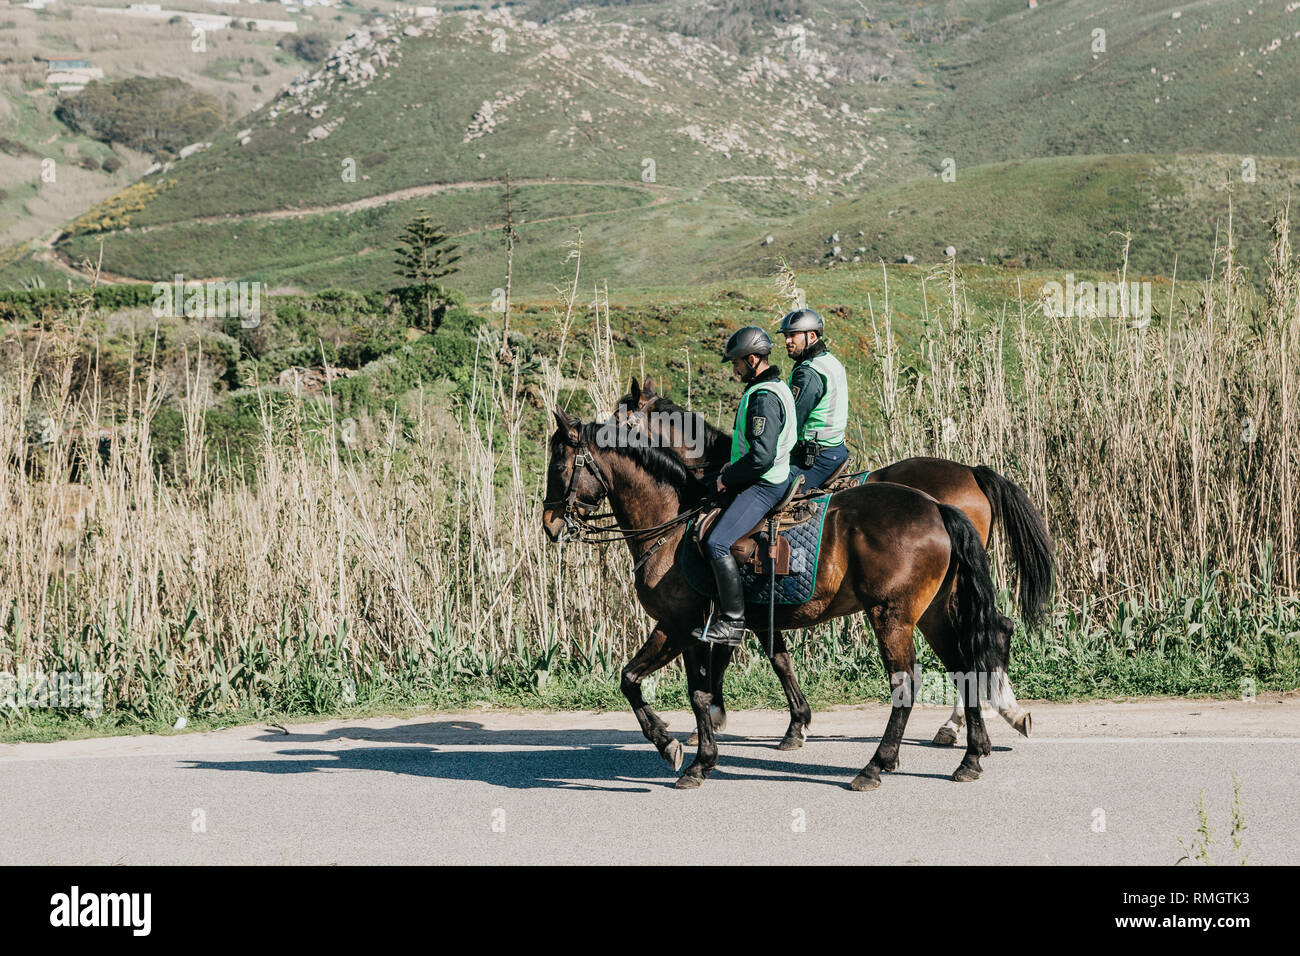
x,y
116,211
34,305
146,113
13,147
311,47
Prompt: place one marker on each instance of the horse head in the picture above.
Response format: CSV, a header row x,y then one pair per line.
x,y
575,484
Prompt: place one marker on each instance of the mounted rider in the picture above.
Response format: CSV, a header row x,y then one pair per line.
x,y
756,477
821,398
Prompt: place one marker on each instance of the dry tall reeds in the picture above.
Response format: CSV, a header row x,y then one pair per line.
x,y
418,562
1154,446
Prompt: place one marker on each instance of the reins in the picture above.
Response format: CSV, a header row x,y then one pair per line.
x,y
585,526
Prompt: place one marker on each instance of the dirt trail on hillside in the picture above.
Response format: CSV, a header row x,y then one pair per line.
x,y
662,195
412,192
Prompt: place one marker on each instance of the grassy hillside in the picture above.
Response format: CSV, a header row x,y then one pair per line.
x,y
1061,212
341,249
679,139
477,95
1214,75
241,68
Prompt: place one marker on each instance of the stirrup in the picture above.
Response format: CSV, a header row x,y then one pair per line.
x,y
721,633
717,630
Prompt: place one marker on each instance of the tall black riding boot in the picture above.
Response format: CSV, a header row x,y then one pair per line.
x,y
729,626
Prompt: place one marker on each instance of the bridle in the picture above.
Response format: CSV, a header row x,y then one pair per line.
x,y
579,515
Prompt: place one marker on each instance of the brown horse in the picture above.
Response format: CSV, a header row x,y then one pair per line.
x,y
905,559
985,496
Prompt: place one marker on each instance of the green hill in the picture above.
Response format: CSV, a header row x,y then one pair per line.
x,y
677,139
1065,212
1213,75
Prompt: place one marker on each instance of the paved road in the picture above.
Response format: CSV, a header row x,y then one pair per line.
x,y
505,787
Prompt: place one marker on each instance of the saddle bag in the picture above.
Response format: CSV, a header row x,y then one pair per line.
x,y
760,560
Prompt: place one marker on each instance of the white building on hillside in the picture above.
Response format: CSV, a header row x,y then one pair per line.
x,y
70,76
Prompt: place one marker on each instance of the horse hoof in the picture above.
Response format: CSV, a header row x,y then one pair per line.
x,y
791,741
862,782
946,736
965,774
687,781
1024,723
673,754
694,739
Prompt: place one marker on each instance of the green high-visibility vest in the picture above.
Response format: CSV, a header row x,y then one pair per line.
x,y
830,416
780,469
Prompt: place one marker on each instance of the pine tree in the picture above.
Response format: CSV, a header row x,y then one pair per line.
x,y
425,255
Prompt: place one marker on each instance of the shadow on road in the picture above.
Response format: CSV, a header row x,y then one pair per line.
x,y
568,759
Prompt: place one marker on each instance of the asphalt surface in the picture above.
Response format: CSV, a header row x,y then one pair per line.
x,y
1099,783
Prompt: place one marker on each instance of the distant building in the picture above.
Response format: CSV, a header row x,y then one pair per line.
x,y
70,76
211,22
205,21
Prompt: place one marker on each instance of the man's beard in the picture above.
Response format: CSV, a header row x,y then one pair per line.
x,y
808,346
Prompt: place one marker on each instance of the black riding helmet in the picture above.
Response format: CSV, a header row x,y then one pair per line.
x,y
801,320
751,340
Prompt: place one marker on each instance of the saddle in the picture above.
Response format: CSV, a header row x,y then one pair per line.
x,y
787,512
795,507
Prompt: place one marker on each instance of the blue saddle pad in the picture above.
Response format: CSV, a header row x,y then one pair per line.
x,y
794,588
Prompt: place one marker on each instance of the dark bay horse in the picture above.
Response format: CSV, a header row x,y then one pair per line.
x,y
905,559
985,496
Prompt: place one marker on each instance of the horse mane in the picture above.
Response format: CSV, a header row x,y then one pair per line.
x,y
714,437
660,464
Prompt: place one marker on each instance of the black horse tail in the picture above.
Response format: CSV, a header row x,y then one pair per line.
x,y
974,612
1031,546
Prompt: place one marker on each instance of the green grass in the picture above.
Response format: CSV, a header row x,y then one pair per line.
x,y
1029,84
21,268
345,249
1061,213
